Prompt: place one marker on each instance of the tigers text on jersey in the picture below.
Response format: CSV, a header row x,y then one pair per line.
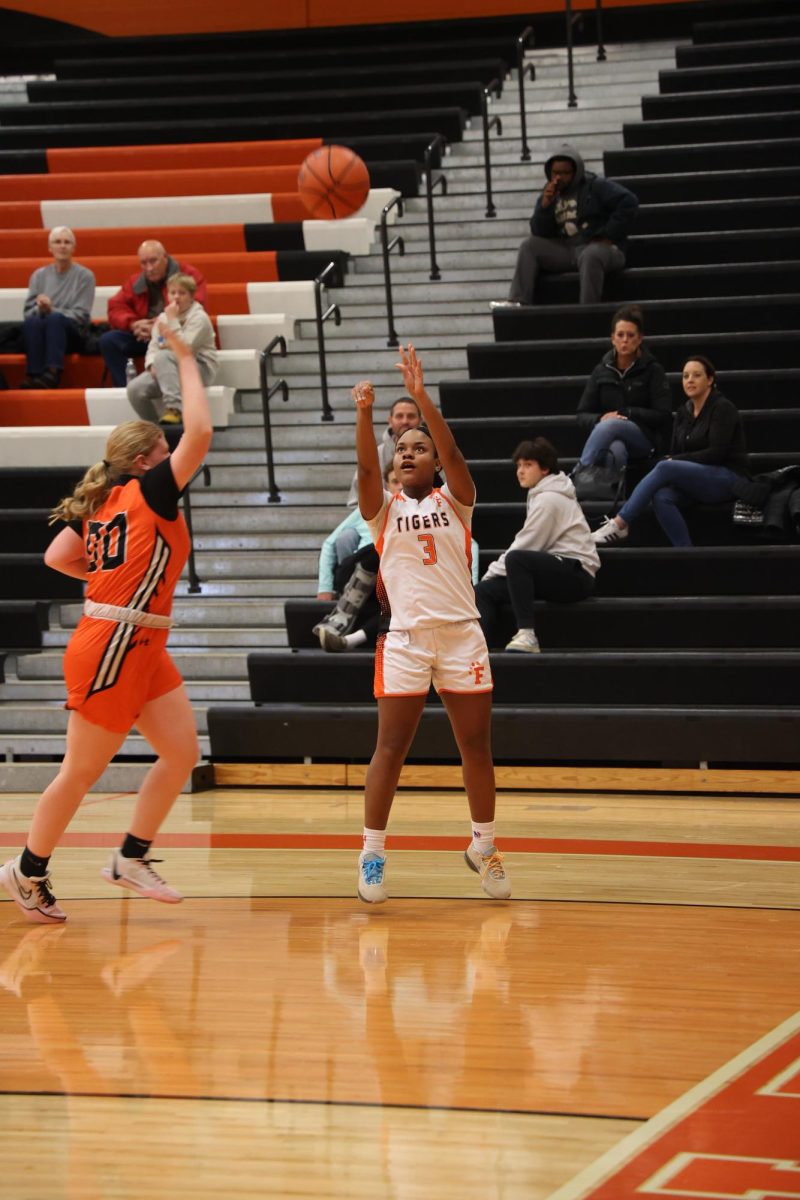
x,y
425,549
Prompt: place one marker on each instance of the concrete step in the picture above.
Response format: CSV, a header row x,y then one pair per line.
x,y
252,481
33,778
316,518
205,691
201,638
302,585
201,665
44,745
301,565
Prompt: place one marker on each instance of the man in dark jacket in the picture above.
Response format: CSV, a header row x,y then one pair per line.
x,y
581,221
133,309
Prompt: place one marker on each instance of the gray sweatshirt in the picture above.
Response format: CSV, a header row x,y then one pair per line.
x,y
554,523
71,292
196,329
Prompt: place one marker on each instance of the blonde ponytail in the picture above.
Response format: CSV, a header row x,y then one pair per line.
x,y
124,445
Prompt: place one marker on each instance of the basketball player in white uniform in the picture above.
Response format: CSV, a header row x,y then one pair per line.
x,y
424,586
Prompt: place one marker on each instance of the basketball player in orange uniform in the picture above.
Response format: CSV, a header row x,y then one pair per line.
x,y
422,535
131,549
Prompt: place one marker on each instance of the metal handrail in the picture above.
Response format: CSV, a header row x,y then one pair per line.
x,y
488,125
387,248
524,40
194,578
431,183
572,102
266,395
334,311
601,50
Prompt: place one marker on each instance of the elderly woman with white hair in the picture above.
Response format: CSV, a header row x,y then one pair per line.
x,y
57,311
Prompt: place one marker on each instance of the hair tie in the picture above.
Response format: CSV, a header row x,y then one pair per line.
x,y
107,465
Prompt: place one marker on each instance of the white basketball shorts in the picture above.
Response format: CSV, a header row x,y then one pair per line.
x,y
452,657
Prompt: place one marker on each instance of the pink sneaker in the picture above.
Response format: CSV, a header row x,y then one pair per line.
x,y
138,875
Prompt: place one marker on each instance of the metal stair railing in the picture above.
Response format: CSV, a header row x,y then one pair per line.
x,y
321,317
524,42
495,87
387,247
439,142
194,578
267,392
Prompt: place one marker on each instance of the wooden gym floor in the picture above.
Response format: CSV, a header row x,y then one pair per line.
x,y
273,1037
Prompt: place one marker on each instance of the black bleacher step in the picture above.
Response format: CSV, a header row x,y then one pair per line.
x,y
717,571
640,284
745,30
22,623
718,215
702,130
307,264
25,530
712,79
262,79
332,127
757,50
718,314
514,360
495,436
698,622
743,245
542,733
594,678
706,186
713,156
559,395
36,487
465,94
25,577
777,98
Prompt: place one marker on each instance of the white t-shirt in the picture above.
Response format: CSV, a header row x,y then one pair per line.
x,y
425,548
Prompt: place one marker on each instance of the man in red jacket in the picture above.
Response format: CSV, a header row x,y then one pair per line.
x,y
134,308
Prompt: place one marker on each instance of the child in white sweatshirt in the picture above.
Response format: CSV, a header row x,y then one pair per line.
x,y
552,557
156,393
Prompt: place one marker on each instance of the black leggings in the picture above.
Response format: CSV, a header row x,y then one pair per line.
x,y
530,575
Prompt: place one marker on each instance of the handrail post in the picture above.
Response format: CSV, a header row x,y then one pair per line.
x,y
573,99
495,123
321,318
524,40
439,140
387,248
266,395
194,578
601,50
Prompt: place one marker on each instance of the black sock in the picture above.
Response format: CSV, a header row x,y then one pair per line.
x,y
31,866
134,847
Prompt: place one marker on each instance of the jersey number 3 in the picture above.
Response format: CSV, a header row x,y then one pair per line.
x,y
429,548
106,543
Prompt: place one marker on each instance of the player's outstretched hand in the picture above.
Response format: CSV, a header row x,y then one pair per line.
x,y
411,369
364,394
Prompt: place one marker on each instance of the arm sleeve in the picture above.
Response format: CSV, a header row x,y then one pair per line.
x,y
327,553
540,525
722,427
622,207
161,491
659,413
81,310
543,221
33,291
120,313
588,406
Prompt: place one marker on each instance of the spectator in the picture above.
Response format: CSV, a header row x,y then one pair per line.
x,y
156,393
581,220
551,558
134,308
708,457
403,415
57,311
626,406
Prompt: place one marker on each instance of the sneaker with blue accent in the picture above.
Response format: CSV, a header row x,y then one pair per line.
x,y
494,877
371,874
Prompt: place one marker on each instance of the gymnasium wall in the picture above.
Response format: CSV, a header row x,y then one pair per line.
x,y
209,16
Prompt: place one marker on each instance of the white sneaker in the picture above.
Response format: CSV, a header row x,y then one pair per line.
x,y
524,641
33,896
493,304
371,872
138,875
494,879
609,533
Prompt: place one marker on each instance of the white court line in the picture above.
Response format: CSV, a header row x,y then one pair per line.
x,y
618,1156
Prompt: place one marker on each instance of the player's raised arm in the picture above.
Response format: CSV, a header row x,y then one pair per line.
x,y
459,480
197,428
370,480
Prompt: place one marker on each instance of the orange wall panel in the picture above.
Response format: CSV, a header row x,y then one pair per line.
x,y
35,408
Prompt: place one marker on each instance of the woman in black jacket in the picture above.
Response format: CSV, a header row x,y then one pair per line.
x,y
708,456
626,407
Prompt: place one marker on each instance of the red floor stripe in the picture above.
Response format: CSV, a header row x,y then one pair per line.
x,y
512,845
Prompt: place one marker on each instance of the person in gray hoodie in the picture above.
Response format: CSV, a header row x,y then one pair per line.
x,y
552,557
581,222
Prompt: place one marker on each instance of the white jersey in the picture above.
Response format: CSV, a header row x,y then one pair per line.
x,y
425,548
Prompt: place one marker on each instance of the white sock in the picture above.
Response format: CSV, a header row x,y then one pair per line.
x,y
355,639
374,841
483,836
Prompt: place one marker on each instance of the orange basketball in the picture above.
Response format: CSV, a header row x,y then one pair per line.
x,y
333,182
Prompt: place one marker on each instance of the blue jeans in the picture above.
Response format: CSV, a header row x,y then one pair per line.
x,y
47,340
116,347
671,483
611,441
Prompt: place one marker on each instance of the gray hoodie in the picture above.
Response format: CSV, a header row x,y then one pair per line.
x,y
554,523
